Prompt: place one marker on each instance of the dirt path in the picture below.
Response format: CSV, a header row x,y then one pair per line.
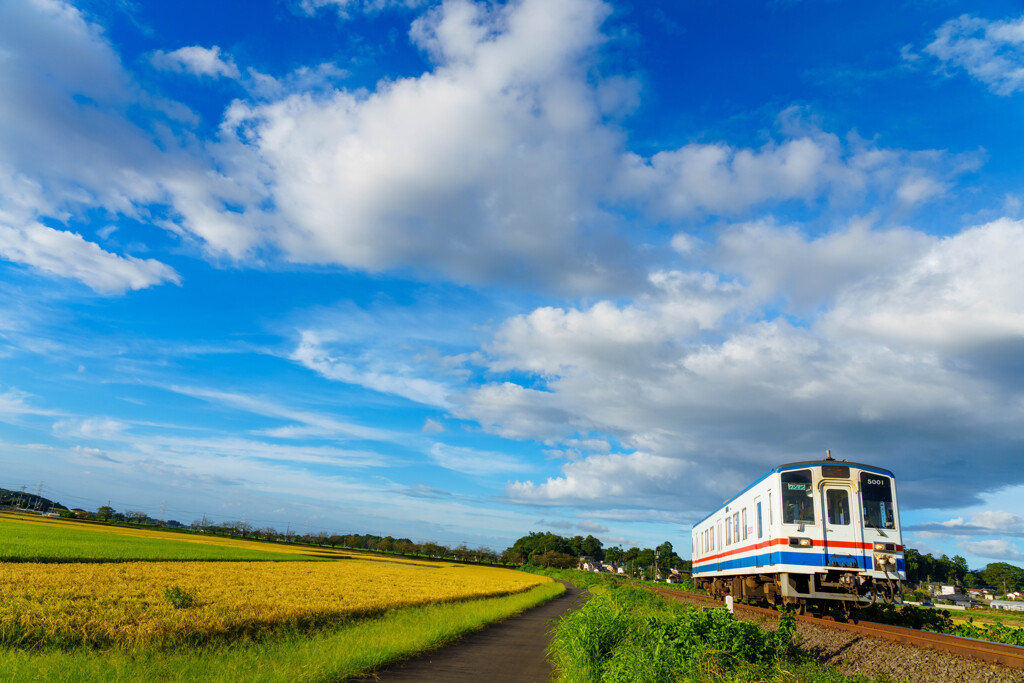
x,y
511,650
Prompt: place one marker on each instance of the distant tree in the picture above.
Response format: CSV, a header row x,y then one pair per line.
x,y
553,558
510,556
631,555
613,554
959,569
645,557
591,547
1003,575
136,516
104,512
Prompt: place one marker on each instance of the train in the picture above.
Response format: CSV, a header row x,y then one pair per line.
x,y
813,535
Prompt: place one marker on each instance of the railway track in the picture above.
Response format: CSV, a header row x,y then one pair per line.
x,y
1008,655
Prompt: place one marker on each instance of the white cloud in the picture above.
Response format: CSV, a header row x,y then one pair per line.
x,y
196,60
14,404
610,480
995,548
776,260
984,523
67,254
91,428
499,164
65,96
990,51
896,361
475,462
377,376
346,8
964,292
807,165
310,423
432,427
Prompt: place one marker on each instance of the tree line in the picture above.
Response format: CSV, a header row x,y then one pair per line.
x,y
547,549
955,571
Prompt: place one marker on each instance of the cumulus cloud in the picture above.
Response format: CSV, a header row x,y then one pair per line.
x,y
196,60
990,51
608,480
807,165
500,164
916,362
63,105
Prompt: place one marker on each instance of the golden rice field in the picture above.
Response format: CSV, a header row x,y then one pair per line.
x,y
124,604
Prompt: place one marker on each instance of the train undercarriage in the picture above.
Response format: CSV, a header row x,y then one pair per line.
x,y
834,589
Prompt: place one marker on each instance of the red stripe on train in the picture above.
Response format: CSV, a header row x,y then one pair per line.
x,y
785,541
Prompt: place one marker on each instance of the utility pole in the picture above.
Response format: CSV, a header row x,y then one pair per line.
x,y
39,498
21,498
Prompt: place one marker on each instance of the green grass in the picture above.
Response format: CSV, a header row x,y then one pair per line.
x,y
625,634
329,656
26,542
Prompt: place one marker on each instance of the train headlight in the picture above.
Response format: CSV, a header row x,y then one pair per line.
x,y
883,561
797,542
885,546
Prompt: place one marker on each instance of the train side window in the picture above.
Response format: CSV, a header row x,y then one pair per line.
x,y
736,526
720,546
760,528
771,516
728,531
838,503
797,497
876,492
743,523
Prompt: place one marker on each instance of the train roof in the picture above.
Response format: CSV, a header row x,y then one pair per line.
x,y
795,466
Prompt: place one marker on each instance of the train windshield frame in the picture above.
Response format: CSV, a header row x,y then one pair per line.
x,y
797,497
877,499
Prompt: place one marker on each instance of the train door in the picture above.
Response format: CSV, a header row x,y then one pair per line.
x,y
842,540
758,532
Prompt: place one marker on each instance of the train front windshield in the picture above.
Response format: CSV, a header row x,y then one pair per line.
x,y
876,492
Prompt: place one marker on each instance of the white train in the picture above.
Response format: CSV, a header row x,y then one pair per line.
x,y
821,532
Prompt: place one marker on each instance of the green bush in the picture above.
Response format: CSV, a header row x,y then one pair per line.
x,y
179,597
629,634
910,616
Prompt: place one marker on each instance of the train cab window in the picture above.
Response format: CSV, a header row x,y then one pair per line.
x,y
838,503
760,529
797,497
743,524
876,492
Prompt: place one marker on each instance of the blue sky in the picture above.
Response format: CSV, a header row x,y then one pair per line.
x,y
459,271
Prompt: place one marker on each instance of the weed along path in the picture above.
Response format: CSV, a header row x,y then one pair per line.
x,y
512,650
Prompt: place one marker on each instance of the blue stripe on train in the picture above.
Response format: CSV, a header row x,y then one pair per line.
x,y
782,557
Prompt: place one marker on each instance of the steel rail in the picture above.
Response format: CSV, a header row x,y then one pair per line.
x,y
1001,653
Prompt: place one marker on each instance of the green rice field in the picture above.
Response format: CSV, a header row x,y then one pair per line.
x,y
66,541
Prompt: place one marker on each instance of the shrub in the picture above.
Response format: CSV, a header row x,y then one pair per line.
x,y
179,597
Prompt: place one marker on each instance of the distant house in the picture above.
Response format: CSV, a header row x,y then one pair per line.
x,y
1011,605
